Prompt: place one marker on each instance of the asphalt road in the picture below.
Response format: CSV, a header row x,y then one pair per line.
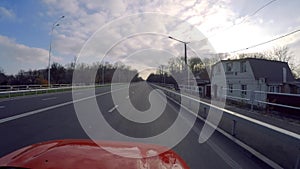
x,y
33,119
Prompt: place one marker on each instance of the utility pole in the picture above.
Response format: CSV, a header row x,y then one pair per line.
x,y
50,47
185,55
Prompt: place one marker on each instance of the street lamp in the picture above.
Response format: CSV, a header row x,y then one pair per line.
x,y
185,54
103,66
50,46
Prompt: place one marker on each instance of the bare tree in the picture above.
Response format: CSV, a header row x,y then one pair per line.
x,y
279,53
1,70
282,54
176,64
196,64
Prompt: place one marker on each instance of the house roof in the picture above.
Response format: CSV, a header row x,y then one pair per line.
x,y
269,69
203,75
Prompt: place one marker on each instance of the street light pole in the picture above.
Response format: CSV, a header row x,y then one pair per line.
x,y
163,74
50,47
103,66
185,54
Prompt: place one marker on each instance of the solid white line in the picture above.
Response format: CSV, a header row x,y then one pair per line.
x,y
223,155
214,147
1,107
52,107
267,125
112,109
50,98
235,140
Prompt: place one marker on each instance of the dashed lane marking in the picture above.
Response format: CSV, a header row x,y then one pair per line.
x,y
50,98
112,109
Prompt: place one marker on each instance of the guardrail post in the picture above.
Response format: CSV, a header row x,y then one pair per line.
x,y
233,128
297,165
252,97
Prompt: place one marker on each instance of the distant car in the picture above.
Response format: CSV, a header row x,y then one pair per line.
x,y
86,154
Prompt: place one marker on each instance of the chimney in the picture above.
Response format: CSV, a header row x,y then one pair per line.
x,y
284,75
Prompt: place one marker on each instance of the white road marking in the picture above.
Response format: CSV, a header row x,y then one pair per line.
x,y
1,107
127,97
50,98
223,155
226,158
217,149
52,107
112,109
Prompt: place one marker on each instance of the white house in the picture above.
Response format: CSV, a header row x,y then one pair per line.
x,y
244,76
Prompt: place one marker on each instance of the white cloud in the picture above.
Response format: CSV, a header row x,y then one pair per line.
x,y
6,14
24,56
84,17
67,6
89,15
212,18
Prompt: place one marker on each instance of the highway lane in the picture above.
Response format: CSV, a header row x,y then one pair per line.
x,y
19,105
61,122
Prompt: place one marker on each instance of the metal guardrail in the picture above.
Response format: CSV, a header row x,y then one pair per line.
x,y
284,94
31,91
236,116
279,105
10,93
27,87
252,98
283,131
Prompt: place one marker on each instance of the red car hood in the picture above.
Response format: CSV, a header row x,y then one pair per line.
x,y
73,154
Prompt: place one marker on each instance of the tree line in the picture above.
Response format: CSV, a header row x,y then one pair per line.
x,y
64,74
202,67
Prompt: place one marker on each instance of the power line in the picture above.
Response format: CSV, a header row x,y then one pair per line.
x,y
280,37
254,13
246,18
262,7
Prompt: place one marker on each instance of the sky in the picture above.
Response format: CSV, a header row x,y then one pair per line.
x,y
229,25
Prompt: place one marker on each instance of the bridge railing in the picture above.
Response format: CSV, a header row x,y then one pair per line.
x,y
33,91
276,146
39,89
4,88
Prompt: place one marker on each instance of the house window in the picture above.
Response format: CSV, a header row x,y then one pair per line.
x,y
244,90
228,67
271,89
230,88
218,68
275,89
243,66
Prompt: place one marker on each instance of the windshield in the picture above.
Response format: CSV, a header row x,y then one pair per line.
x,y
217,82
